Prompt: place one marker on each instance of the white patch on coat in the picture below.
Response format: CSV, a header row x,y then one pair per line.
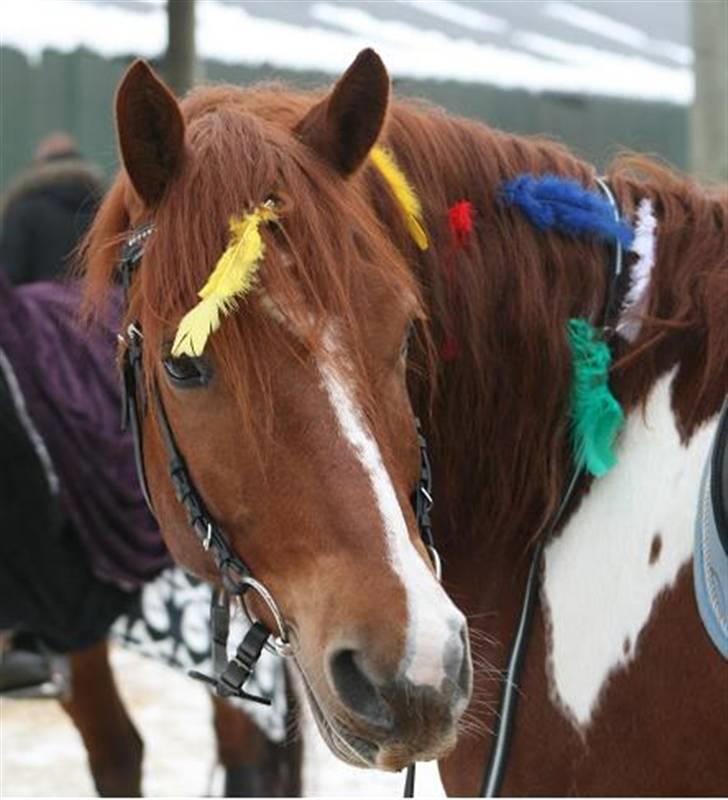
x,y
433,624
599,588
644,247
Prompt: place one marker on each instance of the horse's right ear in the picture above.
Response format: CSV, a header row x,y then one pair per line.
x,y
150,130
345,126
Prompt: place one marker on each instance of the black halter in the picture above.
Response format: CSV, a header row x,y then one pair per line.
x,y
230,675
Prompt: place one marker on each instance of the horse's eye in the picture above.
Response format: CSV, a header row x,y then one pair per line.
x,y
187,373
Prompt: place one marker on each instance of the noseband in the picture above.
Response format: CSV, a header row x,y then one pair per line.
x,y
230,675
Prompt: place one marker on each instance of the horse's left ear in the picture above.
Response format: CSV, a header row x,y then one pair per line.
x,y
150,130
345,126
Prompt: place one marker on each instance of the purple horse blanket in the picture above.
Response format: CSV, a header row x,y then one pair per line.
x,y
67,375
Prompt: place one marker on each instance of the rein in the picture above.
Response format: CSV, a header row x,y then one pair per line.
x,y
230,675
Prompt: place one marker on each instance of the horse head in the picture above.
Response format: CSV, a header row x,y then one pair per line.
x,y
293,415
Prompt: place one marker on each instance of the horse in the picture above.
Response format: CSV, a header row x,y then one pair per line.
x,y
311,273
59,399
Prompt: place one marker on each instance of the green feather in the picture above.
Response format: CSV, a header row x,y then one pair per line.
x,y
596,416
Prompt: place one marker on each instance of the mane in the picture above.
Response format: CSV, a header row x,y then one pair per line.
x,y
498,412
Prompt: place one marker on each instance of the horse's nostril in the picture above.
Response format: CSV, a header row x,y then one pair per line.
x,y
356,689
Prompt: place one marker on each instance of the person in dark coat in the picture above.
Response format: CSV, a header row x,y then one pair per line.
x,y
47,210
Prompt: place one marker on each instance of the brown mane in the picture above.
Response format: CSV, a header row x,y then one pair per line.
x,y
500,415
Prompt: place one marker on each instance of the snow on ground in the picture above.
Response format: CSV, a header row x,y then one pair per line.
x,y
41,754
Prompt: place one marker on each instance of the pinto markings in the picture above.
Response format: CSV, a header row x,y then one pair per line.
x,y
600,584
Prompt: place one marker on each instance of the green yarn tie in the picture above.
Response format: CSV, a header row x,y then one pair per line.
x,y
596,416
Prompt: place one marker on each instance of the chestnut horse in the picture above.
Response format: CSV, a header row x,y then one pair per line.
x,y
297,424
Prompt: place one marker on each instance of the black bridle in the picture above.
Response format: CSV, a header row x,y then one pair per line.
x,y
230,675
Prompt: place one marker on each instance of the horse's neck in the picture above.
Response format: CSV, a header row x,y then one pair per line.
x,y
500,424
501,302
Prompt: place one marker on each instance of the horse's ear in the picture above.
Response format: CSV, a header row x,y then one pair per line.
x,y
150,129
345,126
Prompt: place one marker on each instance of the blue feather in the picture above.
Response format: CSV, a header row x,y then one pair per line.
x,y
566,206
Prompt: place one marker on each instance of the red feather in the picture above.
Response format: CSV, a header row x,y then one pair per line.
x,y
460,218
460,222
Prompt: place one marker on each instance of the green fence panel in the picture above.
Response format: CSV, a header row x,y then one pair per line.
x,y
74,92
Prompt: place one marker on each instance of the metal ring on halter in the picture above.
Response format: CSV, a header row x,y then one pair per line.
x,y
279,644
436,563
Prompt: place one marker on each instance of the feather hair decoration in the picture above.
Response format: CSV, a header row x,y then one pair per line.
x,y
550,201
596,415
384,161
460,220
231,279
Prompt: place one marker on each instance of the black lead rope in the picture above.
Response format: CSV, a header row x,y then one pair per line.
x,y
409,781
505,718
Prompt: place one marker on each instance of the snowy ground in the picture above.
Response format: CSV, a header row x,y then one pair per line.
x,y
41,755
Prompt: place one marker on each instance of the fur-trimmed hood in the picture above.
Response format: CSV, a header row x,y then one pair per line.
x,y
69,179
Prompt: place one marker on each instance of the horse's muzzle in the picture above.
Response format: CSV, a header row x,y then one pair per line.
x,y
392,720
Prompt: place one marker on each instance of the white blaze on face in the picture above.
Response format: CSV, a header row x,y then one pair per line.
x,y
433,621
600,581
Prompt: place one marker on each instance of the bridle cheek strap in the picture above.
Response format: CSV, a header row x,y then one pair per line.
x,y
231,674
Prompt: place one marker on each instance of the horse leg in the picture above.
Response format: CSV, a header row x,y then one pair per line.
x,y
112,742
241,750
255,766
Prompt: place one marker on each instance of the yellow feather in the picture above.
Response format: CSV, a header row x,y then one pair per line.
x,y
232,278
384,161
